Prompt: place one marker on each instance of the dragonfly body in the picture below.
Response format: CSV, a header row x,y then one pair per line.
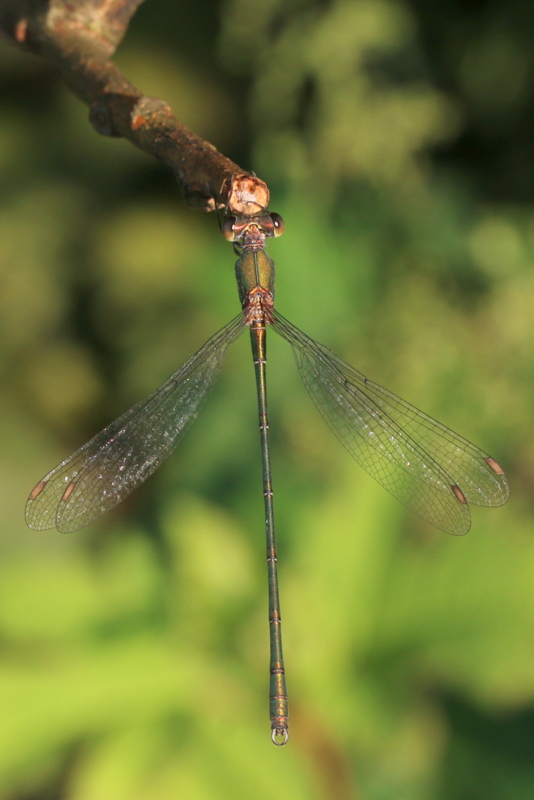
x,y
255,282
432,470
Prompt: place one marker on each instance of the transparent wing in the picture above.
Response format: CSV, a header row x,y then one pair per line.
x,y
432,470
112,464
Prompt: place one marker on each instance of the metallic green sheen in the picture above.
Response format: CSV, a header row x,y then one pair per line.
x,y
254,269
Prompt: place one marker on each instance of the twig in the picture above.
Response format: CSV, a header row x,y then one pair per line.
x,y
79,37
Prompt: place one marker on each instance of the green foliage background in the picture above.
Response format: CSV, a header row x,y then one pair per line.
x,y
397,141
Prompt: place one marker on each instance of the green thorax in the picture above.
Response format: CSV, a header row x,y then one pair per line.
x,y
254,270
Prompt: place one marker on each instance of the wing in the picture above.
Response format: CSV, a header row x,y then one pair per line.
x,y
118,459
432,470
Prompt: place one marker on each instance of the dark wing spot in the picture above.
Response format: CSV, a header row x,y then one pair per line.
x,y
460,496
68,491
494,466
36,491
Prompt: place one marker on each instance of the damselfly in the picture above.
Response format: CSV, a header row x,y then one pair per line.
x,y
433,471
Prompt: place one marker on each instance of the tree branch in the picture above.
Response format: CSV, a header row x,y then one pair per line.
x,y
79,37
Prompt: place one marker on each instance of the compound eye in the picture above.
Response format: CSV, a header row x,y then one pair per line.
x,y
228,228
279,224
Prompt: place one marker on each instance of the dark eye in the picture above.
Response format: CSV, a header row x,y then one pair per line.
x,y
227,229
279,224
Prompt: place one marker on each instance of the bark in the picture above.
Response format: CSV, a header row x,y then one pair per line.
x,y
79,37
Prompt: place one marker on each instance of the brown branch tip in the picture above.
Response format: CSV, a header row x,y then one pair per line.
x,y
79,37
